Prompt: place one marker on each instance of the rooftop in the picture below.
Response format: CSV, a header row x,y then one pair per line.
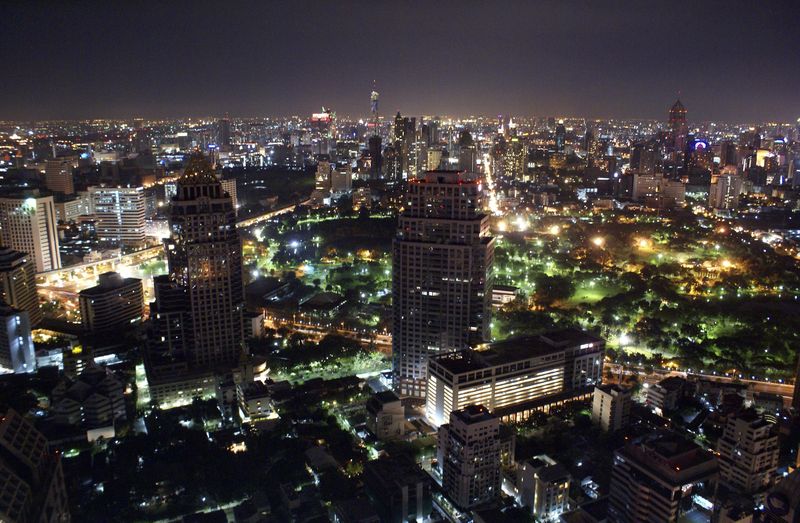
x,y
473,414
515,349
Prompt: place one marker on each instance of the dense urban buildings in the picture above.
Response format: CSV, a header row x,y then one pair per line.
x,y
442,274
119,214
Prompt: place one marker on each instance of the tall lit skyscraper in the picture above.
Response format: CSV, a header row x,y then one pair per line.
x,y
58,176
28,224
197,323
441,274
725,189
224,133
678,127
120,214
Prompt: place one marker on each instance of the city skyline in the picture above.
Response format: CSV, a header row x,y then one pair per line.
x,y
543,58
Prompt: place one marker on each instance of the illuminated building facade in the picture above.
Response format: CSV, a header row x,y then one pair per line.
x,y
678,128
515,377
28,224
725,189
114,303
120,214
543,487
197,325
748,453
441,274
16,344
469,456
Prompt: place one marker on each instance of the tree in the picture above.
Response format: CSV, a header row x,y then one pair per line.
x,y
550,289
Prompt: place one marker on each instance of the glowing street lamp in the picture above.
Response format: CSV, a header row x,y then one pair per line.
x,y
598,241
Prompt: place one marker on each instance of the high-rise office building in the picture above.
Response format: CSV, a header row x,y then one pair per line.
x,y
611,407
469,456
725,189
678,128
28,224
197,318
114,303
441,274
561,136
58,176
16,344
748,453
224,133
31,478
375,157
515,377
18,283
119,214
654,478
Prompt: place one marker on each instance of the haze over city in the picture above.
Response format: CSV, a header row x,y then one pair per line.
x,y
730,61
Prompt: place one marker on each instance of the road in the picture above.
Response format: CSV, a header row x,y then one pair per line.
x,y
782,389
253,220
381,341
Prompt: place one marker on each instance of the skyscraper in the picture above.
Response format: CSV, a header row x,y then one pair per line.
x,y
28,224
441,274
678,128
18,283
469,456
725,189
119,213
224,133
197,318
58,176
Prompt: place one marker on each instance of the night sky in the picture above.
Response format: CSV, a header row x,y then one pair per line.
x,y
730,60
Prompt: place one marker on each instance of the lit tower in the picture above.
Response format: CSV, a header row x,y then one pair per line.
x,y
678,128
374,143
441,274
197,318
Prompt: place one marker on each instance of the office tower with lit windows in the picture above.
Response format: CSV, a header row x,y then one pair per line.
x,y
197,318
748,453
561,136
543,485
119,214
654,478
18,283
441,274
31,478
725,189
16,344
515,377
58,176
469,456
113,304
28,224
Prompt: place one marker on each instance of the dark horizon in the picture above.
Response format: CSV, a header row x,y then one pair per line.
x,y
727,61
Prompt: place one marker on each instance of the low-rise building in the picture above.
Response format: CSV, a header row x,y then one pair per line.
x,y
400,490
663,396
611,407
385,415
543,486
92,400
515,377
